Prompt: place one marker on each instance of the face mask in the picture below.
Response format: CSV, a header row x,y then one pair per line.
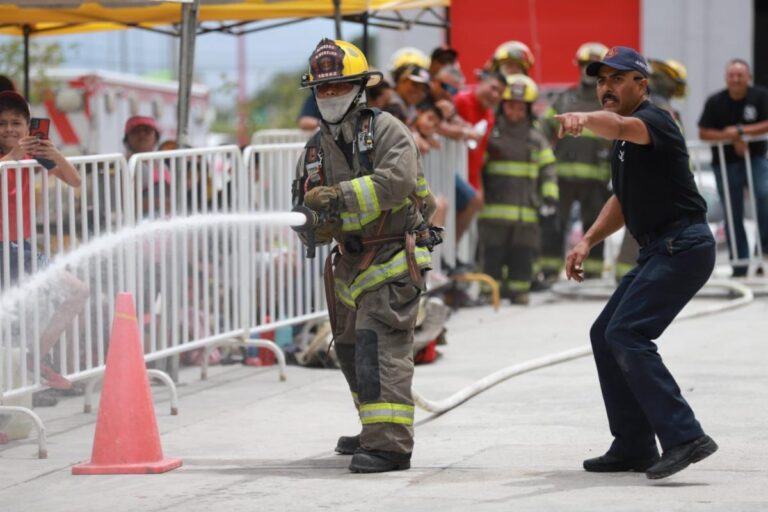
x,y
333,109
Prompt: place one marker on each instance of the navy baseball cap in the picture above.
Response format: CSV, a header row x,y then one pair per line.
x,y
622,58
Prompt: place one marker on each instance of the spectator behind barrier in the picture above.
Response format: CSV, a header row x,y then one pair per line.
x,y
379,95
142,135
476,106
424,128
738,110
17,144
411,88
442,56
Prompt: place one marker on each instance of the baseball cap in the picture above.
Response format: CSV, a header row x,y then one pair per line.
x,y
622,58
16,100
136,121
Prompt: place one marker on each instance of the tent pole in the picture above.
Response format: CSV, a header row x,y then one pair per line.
x,y
189,13
448,27
242,92
27,30
337,17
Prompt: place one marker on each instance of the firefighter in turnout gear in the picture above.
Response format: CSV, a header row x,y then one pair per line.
x,y
583,172
520,184
361,175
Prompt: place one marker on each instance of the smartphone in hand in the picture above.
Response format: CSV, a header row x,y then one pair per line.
x,y
39,127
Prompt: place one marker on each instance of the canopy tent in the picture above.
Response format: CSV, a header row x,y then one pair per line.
x,y
236,17
58,17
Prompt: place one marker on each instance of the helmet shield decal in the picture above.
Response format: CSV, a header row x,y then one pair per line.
x,y
327,61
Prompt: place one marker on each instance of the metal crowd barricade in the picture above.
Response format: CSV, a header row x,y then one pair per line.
x,y
188,283
60,218
279,136
755,258
286,285
440,168
196,286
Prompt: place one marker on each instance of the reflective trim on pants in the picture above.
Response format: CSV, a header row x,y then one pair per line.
x,y
384,412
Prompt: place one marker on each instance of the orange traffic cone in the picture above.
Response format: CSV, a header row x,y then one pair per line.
x,y
127,439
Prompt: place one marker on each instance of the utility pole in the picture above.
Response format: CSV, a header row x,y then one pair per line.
x,y
337,17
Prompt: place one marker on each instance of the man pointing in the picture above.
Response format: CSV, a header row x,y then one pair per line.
x,y
656,198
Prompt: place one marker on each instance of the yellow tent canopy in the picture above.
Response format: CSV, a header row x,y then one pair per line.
x,y
58,17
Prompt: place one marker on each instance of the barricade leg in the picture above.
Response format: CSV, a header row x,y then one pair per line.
x,y
42,449
270,345
157,374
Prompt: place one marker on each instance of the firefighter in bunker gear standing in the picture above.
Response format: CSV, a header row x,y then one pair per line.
x,y
362,174
520,184
583,172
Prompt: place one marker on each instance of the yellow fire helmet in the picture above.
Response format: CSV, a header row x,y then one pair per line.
x,y
520,88
338,61
590,52
406,56
512,50
674,70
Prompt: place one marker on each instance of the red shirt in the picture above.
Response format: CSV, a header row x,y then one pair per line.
x,y
470,109
13,190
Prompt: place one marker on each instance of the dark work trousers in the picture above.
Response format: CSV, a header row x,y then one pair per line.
x,y
737,183
641,397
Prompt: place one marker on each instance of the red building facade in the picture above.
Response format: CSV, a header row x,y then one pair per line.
x,y
553,29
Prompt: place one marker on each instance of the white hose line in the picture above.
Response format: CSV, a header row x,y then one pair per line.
x,y
445,405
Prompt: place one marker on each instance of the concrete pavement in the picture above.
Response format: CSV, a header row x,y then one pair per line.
x,y
250,442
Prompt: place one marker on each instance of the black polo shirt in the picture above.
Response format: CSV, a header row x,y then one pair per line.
x,y
721,111
653,182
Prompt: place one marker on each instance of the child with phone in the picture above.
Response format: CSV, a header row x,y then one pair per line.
x,y
18,143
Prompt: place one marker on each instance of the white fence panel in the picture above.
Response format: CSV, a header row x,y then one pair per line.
x,y
286,284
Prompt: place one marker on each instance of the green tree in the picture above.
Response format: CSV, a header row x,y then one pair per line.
x,y
278,105
42,56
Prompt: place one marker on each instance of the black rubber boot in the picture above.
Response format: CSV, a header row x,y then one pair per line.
x,y
374,461
609,463
681,456
346,445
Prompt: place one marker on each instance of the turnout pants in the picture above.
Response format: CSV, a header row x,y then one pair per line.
x,y
641,397
507,254
374,346
591,196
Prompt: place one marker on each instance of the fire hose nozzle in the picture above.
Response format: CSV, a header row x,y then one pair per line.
x,y
313,218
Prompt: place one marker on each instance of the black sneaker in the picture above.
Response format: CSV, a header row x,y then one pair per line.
x,y
681,456
374,461
609,463
346,445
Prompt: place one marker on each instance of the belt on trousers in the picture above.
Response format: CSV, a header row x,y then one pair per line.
x,y
687,220
371,245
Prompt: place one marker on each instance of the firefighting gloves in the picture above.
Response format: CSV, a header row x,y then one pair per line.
x,y
324,198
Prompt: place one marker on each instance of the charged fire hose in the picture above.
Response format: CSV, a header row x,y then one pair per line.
x,y
440,406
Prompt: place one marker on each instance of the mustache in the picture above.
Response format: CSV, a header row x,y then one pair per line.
x,y
609,96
